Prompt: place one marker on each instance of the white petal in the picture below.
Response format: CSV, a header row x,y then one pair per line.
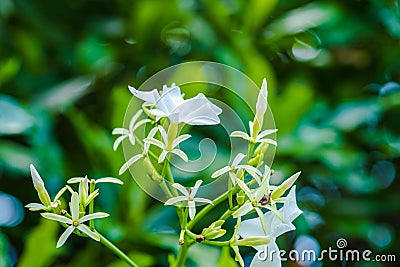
x,y
64,236
75,180
86,230
148,96
118,141
233,177
198,111
244,187
239,157
162,156
262,103
203,200
163,134
175,200
75,206
267,141
220,171
240,134
192,209
137,125
56,217
180,139
243,210
290,208
132,139
171,97
35,206
109,180
129,163
120,131
195,188
262,219
60,193
251,170
263,189
154,141
181,188
266,132
181,154
37,180
96,215
134,119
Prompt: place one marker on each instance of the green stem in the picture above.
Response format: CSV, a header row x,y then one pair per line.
x,y
182,255
117,251
250,151
91,205
206,209
216,243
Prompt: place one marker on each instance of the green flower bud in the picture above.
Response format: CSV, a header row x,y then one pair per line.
x,y
240,199
40,188
214,230
281,189
253,241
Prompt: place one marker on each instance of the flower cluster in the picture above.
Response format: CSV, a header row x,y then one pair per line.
x,y
262,211
167,111
80,206
248,192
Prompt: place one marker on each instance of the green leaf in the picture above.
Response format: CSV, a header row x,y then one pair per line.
x,y
40,246
14,119
63,95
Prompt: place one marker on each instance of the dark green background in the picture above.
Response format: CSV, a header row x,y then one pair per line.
x,y
64,69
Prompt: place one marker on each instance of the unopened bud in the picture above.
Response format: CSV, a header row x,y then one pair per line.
x,y
253,241
281,189
39,186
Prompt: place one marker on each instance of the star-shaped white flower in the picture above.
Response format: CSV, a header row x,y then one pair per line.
x,y
252,230
236,166
135,158
194,111
129,133
257,199
168,147
188,197
75,223
260,138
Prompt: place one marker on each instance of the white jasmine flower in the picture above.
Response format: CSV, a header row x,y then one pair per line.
x,y
256,199
251,229
260,138
236,166
44,197
129,133
168,147
135,158
95,181
75,223
194,111
84,196
189,197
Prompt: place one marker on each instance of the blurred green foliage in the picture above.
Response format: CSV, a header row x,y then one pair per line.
x,y
333,69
